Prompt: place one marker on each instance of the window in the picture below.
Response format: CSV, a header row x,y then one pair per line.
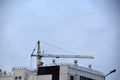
x,y
82,78
71,77
89,79
20,77
85,78
16,77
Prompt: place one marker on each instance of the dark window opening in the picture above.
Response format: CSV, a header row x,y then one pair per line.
x,y
20,77
71,77
85,78
82,78
16,78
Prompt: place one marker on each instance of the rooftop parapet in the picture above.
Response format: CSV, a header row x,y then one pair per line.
x,y
90,70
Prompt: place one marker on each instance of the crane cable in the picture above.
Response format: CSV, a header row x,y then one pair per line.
x,y
56,47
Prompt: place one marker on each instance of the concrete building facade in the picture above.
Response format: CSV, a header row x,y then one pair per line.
x,y
56,72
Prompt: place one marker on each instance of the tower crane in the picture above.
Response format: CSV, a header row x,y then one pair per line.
x,y
39,56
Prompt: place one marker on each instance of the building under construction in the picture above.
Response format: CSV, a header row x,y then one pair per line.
x,y
53,71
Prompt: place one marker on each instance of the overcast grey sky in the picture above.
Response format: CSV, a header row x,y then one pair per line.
x,y
85,27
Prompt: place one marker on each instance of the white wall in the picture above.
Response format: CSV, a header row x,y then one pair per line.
x,y
40,77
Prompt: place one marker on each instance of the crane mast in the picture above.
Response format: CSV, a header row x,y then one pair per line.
x,y
39,60
39,56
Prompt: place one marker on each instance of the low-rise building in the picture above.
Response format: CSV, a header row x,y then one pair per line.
x,y
54,72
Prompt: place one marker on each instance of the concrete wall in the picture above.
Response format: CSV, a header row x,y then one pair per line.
x,y
40,77
21,72
6,78
63,73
